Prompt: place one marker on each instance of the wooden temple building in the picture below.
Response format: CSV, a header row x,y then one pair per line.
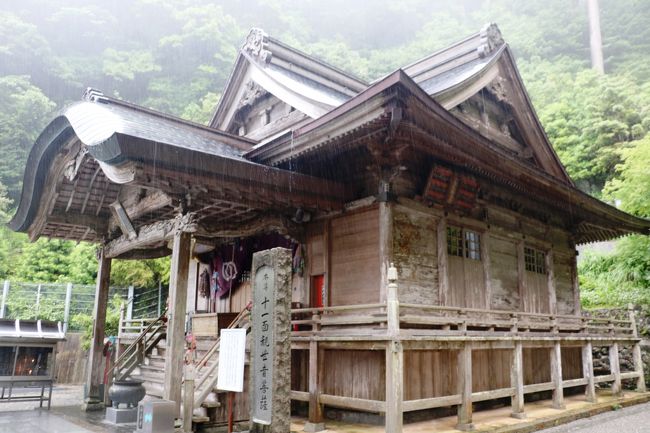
x,y
432,225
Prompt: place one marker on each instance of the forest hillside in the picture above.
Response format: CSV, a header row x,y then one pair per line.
x,y
175,56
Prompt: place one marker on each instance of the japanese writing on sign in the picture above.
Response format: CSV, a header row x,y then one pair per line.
x,y
263,342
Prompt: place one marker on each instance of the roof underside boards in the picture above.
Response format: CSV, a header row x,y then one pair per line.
x,y
87,155
306,83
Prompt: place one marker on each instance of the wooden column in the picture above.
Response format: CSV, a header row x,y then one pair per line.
x,y
385,244
94,370
556,376
615,369
465,388
487,268
521,269
588,372
575,283
394,386
443,275
550,283
180,262
517,381
188,403
315,422
636,352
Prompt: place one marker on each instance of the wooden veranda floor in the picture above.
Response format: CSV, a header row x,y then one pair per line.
x,y
539,415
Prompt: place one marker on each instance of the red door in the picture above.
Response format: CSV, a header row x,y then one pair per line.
x,y
317,285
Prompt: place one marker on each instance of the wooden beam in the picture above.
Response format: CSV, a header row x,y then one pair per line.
x,y
145,254
385,245
149,203
315,420
487,268
556,376
588,372
575,284
465,388
517,381
550,283
176,325
258,225
521,269
615,369
149,235
94,373
123,219
443,275
394,386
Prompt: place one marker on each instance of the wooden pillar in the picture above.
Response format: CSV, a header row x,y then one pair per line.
x,y
315,421
636,352
465,388
575,283
588,372
615,369
94,370
180,262
517,381
188,403
443,275
521,270
487,268
556,376
385,244
550,283
394,386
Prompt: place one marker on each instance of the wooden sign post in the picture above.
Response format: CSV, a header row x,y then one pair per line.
x,y
270,366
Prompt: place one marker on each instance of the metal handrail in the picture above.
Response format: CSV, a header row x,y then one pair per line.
x,y
131,350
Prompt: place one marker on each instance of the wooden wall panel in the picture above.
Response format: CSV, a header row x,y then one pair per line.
x,y
564,284
430,373
466,283
355,373
355,258
571,363
503,262
490,369
241,296
535,293
300,370
415,255
537,366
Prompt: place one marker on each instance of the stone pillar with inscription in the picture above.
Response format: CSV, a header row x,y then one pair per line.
x,y
270,366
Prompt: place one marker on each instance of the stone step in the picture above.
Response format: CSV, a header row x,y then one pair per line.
x,y
155,361
151,369
150,376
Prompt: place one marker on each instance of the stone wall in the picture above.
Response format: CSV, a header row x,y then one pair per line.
x,y
601,354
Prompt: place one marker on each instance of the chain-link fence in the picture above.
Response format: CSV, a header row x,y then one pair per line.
x,y
62,302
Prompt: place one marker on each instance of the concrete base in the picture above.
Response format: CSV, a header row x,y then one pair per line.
x,y
121,416
92,406
518,415
465,427
312,427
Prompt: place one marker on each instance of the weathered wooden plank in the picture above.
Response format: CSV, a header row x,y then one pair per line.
x,y
550,282
430,403
465,388
353,403
394,386
615,369
492,394
588,372
385,245
556,376
315,366
180,262
517,381
94,372
443,273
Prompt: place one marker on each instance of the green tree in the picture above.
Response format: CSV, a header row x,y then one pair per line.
x,y
25,112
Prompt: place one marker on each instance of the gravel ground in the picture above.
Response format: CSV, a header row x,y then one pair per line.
x,y
634,419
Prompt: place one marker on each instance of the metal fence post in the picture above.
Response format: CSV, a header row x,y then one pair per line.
x,y
159,297
38,301
5,292
66,313
129,306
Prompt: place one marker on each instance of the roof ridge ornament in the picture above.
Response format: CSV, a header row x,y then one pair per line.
x,y
93,95
256,45
491,39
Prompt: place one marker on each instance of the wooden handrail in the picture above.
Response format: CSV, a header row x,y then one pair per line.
x,y
234,324
128,352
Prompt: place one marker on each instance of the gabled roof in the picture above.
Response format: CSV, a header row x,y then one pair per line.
x,y
304,82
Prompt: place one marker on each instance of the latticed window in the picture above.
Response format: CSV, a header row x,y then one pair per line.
x,y
535,260
463,243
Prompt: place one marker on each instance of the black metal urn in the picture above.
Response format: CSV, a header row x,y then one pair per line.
x,y
128,392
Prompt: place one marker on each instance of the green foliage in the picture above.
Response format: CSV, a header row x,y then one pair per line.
x,y
140,273
84,322
25,112
619,278
21,307
43,261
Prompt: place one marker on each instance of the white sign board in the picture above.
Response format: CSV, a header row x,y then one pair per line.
x,y
232,356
